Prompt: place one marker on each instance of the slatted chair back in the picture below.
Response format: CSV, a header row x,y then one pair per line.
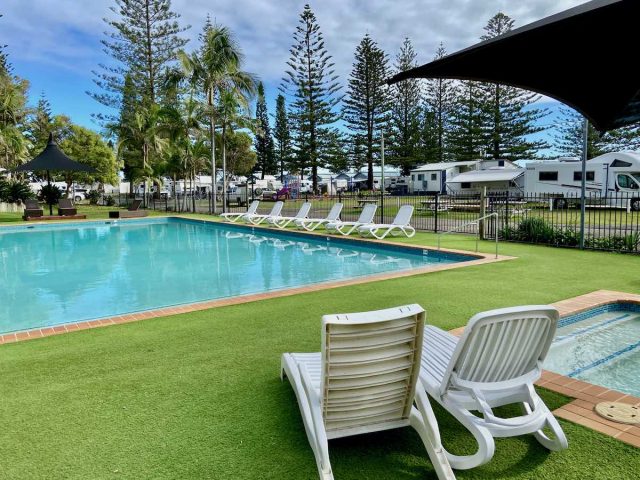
x,y
502,348
370,366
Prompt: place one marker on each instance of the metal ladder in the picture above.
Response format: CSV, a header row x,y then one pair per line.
x,y
473,222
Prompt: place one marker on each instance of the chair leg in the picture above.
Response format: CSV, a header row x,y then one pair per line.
x,y
483,437
554,444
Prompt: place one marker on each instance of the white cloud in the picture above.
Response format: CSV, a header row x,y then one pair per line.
x,y
67,33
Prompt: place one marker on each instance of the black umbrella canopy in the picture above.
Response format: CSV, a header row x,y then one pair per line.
x,y
580,57
52,159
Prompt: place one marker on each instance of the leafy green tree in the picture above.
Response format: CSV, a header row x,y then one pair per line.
x,y
215,68
13,115
282,135
368,104
440,95
143,40
511,117
241,159
263,139
40,124
5,68
311,82
89,148
406,113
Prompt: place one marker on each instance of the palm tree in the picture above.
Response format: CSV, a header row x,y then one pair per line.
x,y
216,68
148,131
233,112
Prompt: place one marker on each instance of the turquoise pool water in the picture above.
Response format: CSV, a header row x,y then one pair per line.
x,y
58,274
601,346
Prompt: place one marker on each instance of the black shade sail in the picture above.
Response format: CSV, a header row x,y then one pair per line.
x,y
52,159
582,57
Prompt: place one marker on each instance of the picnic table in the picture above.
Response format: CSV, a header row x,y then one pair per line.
x,y
366,201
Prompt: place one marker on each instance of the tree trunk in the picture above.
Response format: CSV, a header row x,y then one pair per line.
x,y
212,132
224,168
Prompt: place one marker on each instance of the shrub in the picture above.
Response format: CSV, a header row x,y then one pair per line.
x,y
13,191
93,196
50,194
109,201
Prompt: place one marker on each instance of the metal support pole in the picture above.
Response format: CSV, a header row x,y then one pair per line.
x,y
382,179
583,183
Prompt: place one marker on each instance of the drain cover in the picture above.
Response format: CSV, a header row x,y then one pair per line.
x,y
619,412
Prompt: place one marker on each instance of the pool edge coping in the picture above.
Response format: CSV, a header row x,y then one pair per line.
x,y
587,395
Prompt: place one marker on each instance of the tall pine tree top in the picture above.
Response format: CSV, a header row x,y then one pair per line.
x,y
511,117
312,83
367,104
144,40
406,112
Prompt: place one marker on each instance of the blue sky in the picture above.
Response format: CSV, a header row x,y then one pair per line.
x,y
56,45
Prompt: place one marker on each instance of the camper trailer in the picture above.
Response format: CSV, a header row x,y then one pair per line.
x,y
614,177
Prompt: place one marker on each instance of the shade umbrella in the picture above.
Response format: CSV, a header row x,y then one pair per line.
x,y
52,159
577,57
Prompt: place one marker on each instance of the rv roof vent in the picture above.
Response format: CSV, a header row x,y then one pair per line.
x,y
569,159
620,163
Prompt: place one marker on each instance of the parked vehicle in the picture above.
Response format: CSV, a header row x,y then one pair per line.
x,y
615,177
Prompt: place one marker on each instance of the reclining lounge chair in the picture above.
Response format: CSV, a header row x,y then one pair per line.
x,y
364,380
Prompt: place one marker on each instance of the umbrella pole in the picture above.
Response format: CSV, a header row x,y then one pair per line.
x,y
583,183
49,199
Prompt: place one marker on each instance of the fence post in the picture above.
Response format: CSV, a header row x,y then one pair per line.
x,y
483,212
435,210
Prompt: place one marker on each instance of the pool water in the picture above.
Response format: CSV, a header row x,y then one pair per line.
x,y
68,273
600,347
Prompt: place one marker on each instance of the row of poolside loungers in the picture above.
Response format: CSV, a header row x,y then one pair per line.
x,y
365,225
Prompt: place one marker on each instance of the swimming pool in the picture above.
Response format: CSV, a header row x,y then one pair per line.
x,y
600,346
55,274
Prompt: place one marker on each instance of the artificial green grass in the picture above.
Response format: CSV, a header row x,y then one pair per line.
x,y
93,212
199,396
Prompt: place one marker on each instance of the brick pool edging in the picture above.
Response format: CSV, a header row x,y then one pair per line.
x,y
586,395
480,259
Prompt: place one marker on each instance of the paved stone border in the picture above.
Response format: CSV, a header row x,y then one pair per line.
x,y
587,396
481,259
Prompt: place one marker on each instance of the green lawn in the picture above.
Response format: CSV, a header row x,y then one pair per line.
x,y
91,211
198,395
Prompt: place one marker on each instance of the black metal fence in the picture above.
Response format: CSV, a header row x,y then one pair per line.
x,y
611,223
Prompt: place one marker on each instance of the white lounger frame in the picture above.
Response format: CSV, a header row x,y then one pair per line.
x,y
234,217
283,222
364,380
365,218
399,226
310,224
257,219
494,363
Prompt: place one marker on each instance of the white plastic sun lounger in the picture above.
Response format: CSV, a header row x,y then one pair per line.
x,y
346,228
310,224
283,222
234,217
257,219
494,363
399,226
364,380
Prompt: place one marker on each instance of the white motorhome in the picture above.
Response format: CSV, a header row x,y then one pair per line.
x,y
432,177
613,177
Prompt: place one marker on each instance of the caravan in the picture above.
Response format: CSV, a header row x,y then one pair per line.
x,y
614,177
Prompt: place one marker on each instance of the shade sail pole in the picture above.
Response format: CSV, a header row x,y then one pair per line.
x,y
583,183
